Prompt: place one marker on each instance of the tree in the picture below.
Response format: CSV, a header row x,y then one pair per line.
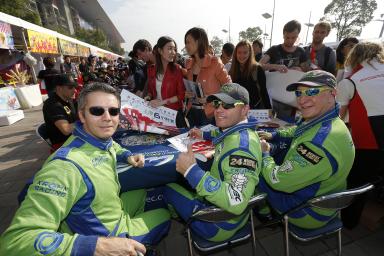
x,y
117,49
217,44
251,34
93,36
18,9
349,16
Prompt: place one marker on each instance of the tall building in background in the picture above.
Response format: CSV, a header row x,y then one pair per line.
x,y
68,16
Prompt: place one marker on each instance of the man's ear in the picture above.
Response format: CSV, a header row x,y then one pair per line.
x,y
81,114
334,92
244,111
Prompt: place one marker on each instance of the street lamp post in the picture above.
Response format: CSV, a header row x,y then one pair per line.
x,y
309,24
382,27
229,30
273,19
265,37
225,31
267,16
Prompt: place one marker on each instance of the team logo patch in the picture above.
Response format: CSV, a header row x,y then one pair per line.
x,y
273,175
239,181
299,160
51,188
67,110
47,242
242,162
286,166
211,184
235,196
99,160
308,154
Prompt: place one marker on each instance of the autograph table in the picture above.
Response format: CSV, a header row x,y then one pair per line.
x,y
160,160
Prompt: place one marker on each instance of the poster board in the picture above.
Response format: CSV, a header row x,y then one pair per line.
x,y
141,116
6,38
277,83
68,48
8,99
42,43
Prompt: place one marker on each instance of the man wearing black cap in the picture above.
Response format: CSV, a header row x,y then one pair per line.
x,y
60,111
232,179
320,155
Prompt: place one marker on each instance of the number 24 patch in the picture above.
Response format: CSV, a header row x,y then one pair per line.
x,y
242,162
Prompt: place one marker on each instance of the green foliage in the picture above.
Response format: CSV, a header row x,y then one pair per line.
x,y
95,37
349,16
217,44
251,34
117,49
18,9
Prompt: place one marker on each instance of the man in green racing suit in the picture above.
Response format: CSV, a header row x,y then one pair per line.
x,y
320,155
233,176
74,206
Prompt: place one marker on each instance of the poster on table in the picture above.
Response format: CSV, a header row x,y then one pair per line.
x,y
6,38
203,149
68,48
137,114
277,83
8,99
42,43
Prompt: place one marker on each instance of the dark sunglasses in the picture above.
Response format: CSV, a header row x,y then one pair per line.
x,y
99,111
217,103
310,91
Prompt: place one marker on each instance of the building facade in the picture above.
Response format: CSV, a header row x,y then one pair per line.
x,y
68,16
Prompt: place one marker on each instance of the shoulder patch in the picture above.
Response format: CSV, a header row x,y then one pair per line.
x,y
211,184
308,154
242,162
48,242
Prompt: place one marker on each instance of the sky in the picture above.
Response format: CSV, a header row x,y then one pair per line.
x,y
151,19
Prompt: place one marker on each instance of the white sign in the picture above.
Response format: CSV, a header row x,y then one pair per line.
x,y
144,117
261,115
8,99
277,83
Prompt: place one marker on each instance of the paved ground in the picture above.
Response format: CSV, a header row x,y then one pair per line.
x,y
22,154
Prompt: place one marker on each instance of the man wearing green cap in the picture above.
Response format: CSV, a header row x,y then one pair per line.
x,y
320,155
231,181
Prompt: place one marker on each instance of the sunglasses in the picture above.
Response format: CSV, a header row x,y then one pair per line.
x,y
310,91
99,111
217,103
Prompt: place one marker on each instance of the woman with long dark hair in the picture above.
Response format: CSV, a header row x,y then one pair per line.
x,y
205,70
165,79
342,52
249,74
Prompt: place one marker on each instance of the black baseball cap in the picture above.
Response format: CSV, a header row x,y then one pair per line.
x,y
65,79
315,78
231,93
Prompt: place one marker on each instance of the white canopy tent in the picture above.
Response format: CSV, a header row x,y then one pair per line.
x,y
27,25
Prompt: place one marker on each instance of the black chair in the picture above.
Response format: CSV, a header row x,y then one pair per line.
x,y
334,201
215,214
41,131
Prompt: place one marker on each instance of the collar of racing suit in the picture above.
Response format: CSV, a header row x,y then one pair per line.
x,y
251,124
303,126
83,135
